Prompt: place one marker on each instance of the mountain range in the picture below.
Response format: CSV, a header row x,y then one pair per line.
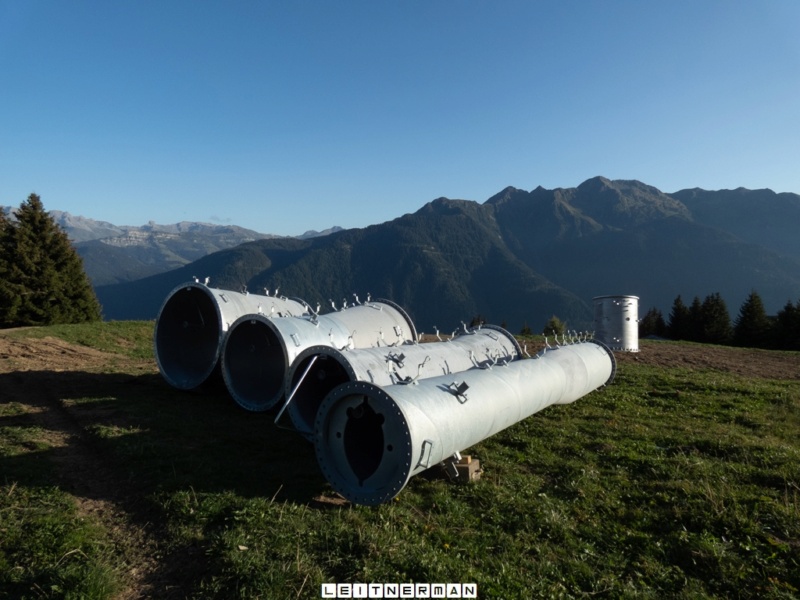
x,y
117,253
514,260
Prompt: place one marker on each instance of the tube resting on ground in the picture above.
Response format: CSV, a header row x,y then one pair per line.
x,y
318,370
192,324
370,440
259,350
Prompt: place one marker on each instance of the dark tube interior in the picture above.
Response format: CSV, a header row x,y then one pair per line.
x,y
326,373
363,440
255,365
188,337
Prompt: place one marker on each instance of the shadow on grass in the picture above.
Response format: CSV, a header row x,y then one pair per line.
x,y
133,441
159,439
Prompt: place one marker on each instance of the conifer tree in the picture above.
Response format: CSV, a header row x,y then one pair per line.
x,y
45,275
652,324
9,298
787,327
752,327
696,321
716,321
680,322
554,326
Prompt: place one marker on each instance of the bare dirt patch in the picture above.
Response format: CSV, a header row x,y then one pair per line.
x,y
746,362
48,353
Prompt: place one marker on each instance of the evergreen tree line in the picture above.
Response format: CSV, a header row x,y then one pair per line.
x,y
709,322
42,280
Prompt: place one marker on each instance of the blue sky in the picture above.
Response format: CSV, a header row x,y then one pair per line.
x,y
285,116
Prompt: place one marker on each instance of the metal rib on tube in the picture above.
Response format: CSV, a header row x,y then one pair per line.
x,y
259,350
192,324
370,440
318,370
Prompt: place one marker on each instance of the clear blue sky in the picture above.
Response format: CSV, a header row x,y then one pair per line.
x,y
285,116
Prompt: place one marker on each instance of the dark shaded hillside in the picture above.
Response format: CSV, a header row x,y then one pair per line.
x,y
624,237
757,216
228,269
443,264
110,264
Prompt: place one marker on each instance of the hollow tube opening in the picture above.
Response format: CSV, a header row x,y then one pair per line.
x,y
325,375
254,365
363,440
188,338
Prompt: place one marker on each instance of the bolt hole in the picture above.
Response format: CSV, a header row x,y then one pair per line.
x,y
390,447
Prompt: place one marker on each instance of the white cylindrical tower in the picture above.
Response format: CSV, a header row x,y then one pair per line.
x,y
616,322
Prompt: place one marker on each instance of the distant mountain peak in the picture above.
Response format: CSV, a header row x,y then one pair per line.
x,y
507,195
594,183
311,233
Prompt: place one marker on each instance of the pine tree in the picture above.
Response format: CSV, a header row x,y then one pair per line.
x,y
10,293
554,326
477,321
752,327
696,333
44,274
716,321
652,324
680,322
787,327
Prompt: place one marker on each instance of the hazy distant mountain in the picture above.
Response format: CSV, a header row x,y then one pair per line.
x,y
312,234
517,258
141,251
117,253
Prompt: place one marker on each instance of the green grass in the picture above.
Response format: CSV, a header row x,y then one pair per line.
x,y
47,550
670,483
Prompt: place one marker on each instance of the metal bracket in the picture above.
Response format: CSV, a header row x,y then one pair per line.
x,y
408,380
291,396
396,358
459,391
450,465
425,455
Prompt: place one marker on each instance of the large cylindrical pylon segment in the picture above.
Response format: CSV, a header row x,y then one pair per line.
x,y
616,322
370,440
191,327
318,370
259,350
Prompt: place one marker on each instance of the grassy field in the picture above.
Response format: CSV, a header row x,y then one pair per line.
x,y
670,483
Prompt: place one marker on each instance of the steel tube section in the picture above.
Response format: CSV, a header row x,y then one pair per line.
x,y
192,324
370,440
616,322
479,347
259,350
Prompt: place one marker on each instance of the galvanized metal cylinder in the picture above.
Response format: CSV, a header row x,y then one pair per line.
x,y
370,440
616,322
192,324
259,350
318,370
